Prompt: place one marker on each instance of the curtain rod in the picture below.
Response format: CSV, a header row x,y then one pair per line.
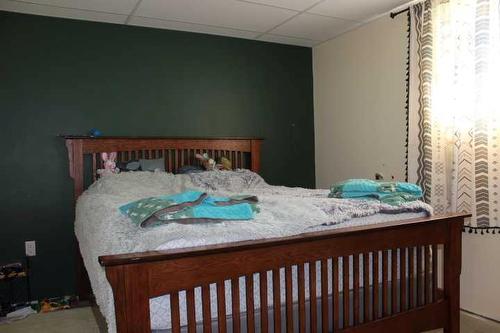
x,y
394,14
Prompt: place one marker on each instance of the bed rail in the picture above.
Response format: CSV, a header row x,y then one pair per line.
x,y
423,294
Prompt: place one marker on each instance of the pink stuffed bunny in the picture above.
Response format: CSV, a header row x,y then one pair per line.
x,y
109,161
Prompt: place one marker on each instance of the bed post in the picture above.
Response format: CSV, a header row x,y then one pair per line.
x,y
75,157
452,269
255,154
131,301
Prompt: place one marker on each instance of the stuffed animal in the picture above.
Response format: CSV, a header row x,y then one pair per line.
x,y
109,161
225,164
207,162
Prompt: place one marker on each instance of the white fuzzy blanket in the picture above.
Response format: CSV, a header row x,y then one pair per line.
x,y
101,229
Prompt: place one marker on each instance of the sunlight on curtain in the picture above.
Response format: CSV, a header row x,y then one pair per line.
x,y
458,108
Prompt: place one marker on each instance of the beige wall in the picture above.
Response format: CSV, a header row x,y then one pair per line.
x,y
359,99
480,285
359,103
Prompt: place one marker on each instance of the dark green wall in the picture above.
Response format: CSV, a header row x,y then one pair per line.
x,y
65,76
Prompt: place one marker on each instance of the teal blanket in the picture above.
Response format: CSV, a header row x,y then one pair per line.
x,y
393,193
189,207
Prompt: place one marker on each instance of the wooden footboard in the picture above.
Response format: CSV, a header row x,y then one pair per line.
x,y
423,294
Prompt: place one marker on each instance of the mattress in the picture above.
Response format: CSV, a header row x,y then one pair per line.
x,y
102,230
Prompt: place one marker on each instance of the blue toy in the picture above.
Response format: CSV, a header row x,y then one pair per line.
x,y
94,132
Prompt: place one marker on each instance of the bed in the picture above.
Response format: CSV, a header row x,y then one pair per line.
x,y
260,276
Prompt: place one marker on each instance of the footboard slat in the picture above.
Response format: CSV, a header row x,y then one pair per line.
x,y
302,298
175,312
403,280
191,311
375,286
250,303
391,285
419,275
289,299
336,306
324,298
207,311
355,266
221,306
263,302
385,283
366,287
312,297
434,272
394,281
235,304
345,292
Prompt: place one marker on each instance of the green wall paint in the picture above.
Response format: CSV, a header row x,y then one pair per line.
x,y
65,76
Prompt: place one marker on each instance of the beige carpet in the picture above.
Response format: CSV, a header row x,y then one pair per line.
x,y
82,320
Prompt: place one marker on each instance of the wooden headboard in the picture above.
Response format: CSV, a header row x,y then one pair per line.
x,y
176,151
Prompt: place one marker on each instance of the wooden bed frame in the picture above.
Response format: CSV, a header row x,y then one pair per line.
x,y
425,297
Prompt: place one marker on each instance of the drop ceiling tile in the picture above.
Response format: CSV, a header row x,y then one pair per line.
x,y
124,7
360,10
221,13
288,40
36,9
298,5
173,25
314,27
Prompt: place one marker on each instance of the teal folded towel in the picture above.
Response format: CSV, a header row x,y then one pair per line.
x,y
189,207
394,193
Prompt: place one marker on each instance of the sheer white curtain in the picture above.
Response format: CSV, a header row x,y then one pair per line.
x,y
454,117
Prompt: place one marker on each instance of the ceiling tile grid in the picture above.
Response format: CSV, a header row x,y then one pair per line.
x,y
296,22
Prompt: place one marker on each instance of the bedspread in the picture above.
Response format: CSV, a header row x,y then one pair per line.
x,y
101,229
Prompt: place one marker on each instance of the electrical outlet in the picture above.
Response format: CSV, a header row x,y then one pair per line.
x,y
30,247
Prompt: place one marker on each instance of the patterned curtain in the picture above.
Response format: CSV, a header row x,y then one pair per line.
x,y
454,110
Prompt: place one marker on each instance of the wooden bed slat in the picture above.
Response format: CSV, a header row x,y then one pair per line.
x,y
276,300
221,306
264,321
376,285
403,281
411,277
235,304
207,313
301,284
174,312
366,287
289,298
385,283
324,295
427,275
434,272
336,296
345,292
191,311
250,303
394,280
420,288
355,266
312,297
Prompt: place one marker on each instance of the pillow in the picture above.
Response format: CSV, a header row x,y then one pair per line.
x,y
152,165
132,165
189,169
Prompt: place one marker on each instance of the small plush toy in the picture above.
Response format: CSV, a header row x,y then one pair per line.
x,y
225,164
109,161
94,132
207,162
